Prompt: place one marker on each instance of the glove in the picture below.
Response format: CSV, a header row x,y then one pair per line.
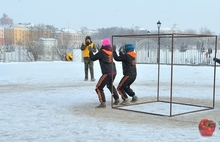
x,y
98,47
122,49
83,47
214,59
90,49
114,48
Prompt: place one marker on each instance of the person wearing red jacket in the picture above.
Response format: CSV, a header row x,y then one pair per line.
x,y
105,57
129,72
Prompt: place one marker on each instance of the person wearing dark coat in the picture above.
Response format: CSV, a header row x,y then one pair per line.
x,y
108,69
129,72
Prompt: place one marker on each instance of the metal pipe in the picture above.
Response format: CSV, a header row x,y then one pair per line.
x,y
171,79
158,61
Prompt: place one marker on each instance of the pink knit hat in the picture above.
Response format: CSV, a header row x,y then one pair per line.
x,y
106,42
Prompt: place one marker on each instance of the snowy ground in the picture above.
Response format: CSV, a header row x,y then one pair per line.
x,y
50,102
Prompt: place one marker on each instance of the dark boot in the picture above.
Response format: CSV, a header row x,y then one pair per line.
x,y
102,105
92,75
134,99
125,102
86,75
116,102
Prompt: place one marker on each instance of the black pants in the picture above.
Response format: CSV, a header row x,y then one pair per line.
x,y
124,86
108,80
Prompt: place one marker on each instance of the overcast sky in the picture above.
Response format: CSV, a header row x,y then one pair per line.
x,y
94,14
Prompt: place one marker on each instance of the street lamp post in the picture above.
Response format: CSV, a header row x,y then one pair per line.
x,y
148,32
158,51
158,60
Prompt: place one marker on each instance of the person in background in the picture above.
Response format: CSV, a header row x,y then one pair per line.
x,y
129,72
88,64
105,57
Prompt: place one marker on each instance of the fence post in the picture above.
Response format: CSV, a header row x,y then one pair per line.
x,y
4,54
19,53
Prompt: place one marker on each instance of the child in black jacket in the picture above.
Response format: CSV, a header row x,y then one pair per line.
x,y
108,69
129,72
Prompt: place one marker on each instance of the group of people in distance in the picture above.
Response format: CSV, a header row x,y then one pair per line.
x,y
105,55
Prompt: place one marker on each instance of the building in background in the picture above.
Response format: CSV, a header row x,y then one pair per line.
x,y
2,36
5,20
70,37
16,35
36,32
23,34
48,46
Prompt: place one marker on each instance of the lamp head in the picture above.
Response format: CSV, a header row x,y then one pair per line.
x,y
158,24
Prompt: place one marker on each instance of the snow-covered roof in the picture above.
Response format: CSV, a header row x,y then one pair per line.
x,y
69,30
47,39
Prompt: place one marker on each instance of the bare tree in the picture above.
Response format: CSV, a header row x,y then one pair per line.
x,y
205,31
84,30
64,46
32,50
190,31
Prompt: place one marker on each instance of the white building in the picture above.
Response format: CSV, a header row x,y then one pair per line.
x,y
48,46
69,37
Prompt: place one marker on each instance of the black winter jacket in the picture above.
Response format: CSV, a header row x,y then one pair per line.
x,y
128,62
106,61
